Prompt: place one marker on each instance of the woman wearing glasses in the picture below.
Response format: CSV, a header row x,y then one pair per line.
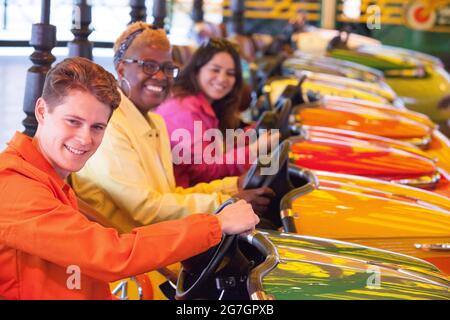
x,y
130,178
206,95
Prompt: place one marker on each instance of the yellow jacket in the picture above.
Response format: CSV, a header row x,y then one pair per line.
x,y
130,178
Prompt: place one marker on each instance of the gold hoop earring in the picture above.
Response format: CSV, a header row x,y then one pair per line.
x,y
124,80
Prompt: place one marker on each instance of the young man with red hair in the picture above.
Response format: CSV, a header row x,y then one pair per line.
x,y
44,237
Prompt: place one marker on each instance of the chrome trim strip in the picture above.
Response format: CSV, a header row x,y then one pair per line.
x,y
422,143
433,246
406,73
261,295
424,181
256,275
284,213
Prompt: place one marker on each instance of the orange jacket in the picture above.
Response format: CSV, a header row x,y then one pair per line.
x,y
43,237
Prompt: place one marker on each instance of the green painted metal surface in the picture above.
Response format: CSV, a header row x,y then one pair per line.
x,y
314,268
422,93
435,43
380,62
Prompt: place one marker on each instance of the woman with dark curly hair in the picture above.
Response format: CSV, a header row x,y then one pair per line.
x,y
206,96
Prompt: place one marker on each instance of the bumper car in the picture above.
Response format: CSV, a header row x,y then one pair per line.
x,y
322,75
372,212
276,265
340,74
302,61
324,149
356,115
272,265
419,79
323,83
269,265
339,99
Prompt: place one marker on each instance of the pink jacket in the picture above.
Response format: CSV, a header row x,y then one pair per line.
x,y
196,115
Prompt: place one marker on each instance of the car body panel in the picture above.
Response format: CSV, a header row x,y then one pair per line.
x,y
348,75
439,149
378,59
346,249
350,135
345,206
354,142
363,210
367,121
359,158
421,91
304,267
418,78
424,94
438,152
349,152
316,41
374,88
423,248
372,119
301,61
388,108
322,84
425,58
315,268
386,189
337,211
386,51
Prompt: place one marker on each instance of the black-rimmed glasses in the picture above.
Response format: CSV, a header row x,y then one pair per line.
x,y
151,67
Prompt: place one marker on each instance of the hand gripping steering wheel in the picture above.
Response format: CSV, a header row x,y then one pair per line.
x,y
197,270
259,176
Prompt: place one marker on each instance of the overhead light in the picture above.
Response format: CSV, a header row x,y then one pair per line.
x,y
352,9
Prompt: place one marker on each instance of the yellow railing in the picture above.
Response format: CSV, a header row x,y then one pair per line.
x,y
392,12
281,10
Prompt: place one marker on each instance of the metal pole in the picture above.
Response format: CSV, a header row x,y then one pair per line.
x,y
236,24
43,39
5,16
80,46
159,13
45,11
138,11
197,11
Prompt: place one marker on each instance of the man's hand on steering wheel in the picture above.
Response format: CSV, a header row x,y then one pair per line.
x,y
238,218
234,218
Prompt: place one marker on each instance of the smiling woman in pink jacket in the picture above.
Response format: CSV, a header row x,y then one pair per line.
x,y
206,96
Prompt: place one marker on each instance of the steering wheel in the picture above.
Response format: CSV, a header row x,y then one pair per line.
x,y
292,92
191,280
259,175
277,119
338,42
